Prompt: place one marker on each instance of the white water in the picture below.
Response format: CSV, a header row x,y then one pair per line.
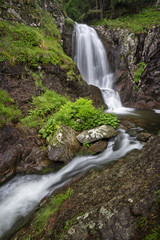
x,y
91,58
19,196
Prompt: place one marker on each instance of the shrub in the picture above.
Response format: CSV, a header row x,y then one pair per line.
x,y
79,115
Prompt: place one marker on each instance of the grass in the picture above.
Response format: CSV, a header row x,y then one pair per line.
x,y
43,107
8,111
136,23
51,110
41,218
20,43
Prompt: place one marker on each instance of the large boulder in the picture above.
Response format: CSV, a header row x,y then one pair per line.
x,y
95,134
63,145
21,151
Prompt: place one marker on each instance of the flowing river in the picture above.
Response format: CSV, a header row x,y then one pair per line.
x,y
22,194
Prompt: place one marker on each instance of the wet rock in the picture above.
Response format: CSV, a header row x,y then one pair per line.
x,y
125,51
110,203
98,147
20,152
144,136
96,134
63,145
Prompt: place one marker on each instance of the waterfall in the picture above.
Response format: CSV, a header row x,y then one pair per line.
x,y
92,62
19,196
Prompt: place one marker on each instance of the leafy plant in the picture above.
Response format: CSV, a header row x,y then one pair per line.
x,y
43,107
79,115
154,235
9,112
140,70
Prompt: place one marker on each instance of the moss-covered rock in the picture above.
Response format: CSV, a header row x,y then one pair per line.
x,y
63,145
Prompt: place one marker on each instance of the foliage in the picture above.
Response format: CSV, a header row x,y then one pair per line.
x,y
140,70
137,23
154,235
69,22
79,115
87,10
50,110
43,107
8,110
30,45
43,215
158,196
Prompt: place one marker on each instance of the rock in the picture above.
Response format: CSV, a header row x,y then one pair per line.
x,y
63,145
125,51
96,134
144,136
20,152
98,147
109,203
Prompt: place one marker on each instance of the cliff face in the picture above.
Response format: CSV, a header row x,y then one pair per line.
x,y
126,50
32,59
33,45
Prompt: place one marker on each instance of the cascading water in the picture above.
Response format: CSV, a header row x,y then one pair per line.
x,y
91,59
19,196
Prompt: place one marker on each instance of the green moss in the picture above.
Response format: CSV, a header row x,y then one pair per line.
x,y
79,115
42,216
68,224
69,22
43,107
32,45
140,70
154,235
8,110
135,22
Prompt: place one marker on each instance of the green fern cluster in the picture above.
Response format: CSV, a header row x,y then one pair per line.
x,y
51,110
79,115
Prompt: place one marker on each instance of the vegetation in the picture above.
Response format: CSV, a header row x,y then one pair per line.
x,y
79,115
9,112
20,43
137,23
41,218
137,76
44,106
50,110
68,224
150,227
89,10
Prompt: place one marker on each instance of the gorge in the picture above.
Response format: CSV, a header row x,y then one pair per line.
x,y
112,192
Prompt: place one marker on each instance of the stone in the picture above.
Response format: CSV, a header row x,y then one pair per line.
x,y
98,147
63,145
125,51
144,136
20,152
95,134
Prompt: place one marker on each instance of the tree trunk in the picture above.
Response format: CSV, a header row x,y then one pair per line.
x,y
101,9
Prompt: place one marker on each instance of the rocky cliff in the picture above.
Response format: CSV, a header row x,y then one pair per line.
x,y
126,50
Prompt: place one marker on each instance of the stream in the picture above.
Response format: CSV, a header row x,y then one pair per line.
x,y
22,194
